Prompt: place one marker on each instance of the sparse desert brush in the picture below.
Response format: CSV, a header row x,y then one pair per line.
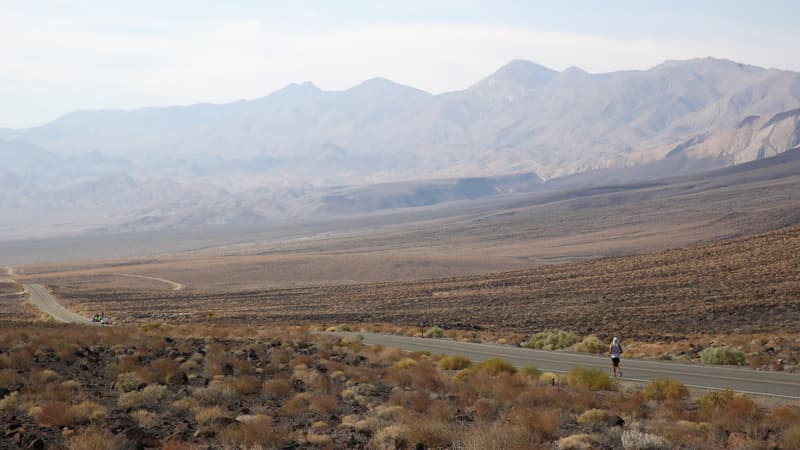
x,y
785,415
256,431
486,409
791,437
297,404
128,381
185,404
323,404
95,438
11,402
595,420
405,363
391,436
530,371
144,418
149,397
343,327
208,414
723,355
591,344
495,366
434,332
454,362
551,340
543,423
9,377
493,435
277,388
55,413
44,376
549,378
637,440
580,441
159,370
665,389
590,378
246,384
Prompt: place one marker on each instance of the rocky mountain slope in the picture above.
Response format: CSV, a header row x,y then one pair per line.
x,y
294,152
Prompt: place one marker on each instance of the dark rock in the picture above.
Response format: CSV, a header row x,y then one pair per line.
x,y
141,439
227,369
37,444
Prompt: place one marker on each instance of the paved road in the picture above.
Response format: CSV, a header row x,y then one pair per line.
x,y
41,298
778,384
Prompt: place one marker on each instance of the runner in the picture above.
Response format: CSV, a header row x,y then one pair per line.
x,y
616,351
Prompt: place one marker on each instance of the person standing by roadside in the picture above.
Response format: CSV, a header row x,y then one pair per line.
x,y
616,352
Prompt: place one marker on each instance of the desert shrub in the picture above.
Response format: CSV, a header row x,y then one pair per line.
x,y
785,415
637,440
665,389
252,432
144,418
454,362
323,404
10,402
543,423
246,384
715,401
591,344
434,332
95,438
495,366
576,442
208,414
549,378
530,371
9,377
405,363
277,388
551,340
343,327
148,397
185,404
723,355
590,378
53,412
597,419
791,437
127,381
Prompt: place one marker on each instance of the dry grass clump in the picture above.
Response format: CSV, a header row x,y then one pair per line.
x,y
57,413
590,378
277,388
595,420
496,366
95,438
723,355
145,418
258,430
591,344
637,440
9,377
665,389
434,332
128,381
551,340
211,413
11,402
454,362
580,441
149,397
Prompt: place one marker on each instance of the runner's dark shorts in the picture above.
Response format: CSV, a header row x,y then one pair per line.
x,y
615,361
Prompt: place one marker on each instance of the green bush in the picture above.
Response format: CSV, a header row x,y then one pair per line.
x,y
665,389
454,362
531,371
551,340
434,332
723,355
591,344
496,366
594,379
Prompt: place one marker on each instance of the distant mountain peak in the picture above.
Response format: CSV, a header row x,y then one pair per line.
x,y
380,84
519,73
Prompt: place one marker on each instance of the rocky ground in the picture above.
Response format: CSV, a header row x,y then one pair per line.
x,y
197,386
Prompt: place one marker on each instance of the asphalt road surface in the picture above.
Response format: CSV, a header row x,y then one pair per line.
x,y
41,298
778,384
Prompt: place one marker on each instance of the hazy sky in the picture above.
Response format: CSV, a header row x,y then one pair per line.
x,y
60,56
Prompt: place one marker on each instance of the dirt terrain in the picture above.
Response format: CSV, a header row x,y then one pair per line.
x,y
741,285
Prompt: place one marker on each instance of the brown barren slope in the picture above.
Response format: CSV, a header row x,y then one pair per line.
x,y
742,285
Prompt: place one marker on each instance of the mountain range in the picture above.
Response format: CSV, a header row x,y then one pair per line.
x,y
303,152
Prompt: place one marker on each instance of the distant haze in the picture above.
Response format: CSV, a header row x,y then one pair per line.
x,y
60,56
303,151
